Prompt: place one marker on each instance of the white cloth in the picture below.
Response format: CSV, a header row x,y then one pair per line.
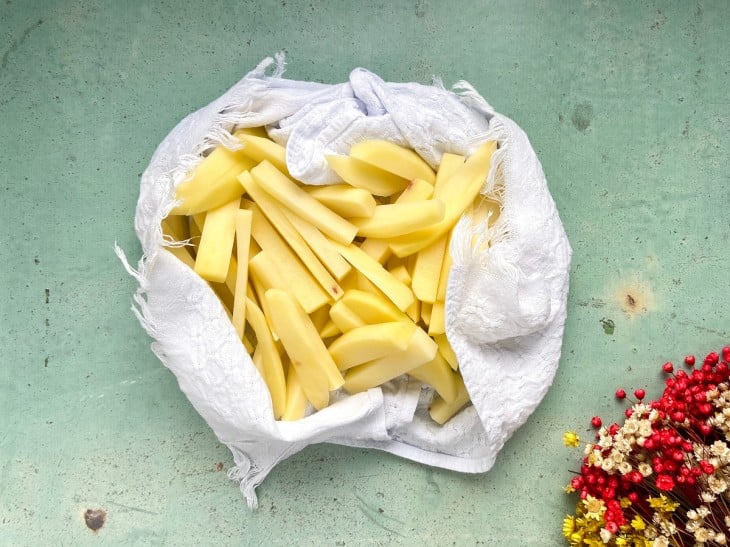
x,y
505,306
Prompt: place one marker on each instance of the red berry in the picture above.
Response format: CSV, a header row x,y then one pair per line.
x,y
596,421
620,394
726,353
664,482
629,412
613,429
633,497
689,360
705,429
639,394
668,367
707,467
612,527
712,358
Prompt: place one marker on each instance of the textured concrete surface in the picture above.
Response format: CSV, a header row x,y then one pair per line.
x,y
626,104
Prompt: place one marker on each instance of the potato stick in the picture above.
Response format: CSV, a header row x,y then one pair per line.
x,y
320,245
264,149
442,411
344,199
436,324
273,369
296,400
369,342
400,294
280,273
462,187
278,185
216,243
302,343
446,351
366,176
273,211
396,219
395,159
426,271
243,239
438,374
421,349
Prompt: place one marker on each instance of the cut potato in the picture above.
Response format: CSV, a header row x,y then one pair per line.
x,y
399,294
263,149
273,371
427,269
396,219
442,411
361,174
289,275
301,340
438,374
446,351
344,199
363,344
212,183
216,242
344,318
296,400
293,197
243,240
420,350
393,158
463,186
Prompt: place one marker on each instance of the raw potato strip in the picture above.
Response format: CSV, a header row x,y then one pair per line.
x,y
388,156
377,249
441,410
366,176
398,293
437,321
363,344
271,361
305,348
320,245
275,272
446,351
372,307
182,255
344,199
421,349
438,374
216,242
296,400
445,270
427,269
344,318
278,185
263,149
457,194
213,182
395,219
450,163
243,240
272,210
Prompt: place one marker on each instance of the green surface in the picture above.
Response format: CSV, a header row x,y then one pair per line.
x,y
626,105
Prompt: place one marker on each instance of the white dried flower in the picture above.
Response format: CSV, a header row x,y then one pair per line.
x,y
605,535
645,469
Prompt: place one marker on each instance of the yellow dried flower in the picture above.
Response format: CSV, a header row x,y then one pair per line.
x,y
662,503
571,439
569,489
594,507
638,524
568,526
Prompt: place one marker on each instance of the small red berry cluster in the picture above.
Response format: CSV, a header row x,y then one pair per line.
x,y
662,448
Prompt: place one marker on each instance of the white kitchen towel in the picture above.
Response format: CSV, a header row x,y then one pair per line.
x,y
506,296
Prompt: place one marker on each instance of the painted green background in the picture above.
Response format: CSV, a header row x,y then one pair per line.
x,y
626,104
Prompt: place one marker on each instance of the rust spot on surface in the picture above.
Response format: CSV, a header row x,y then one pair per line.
x,y
219,466
95,519
48,295
634,296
